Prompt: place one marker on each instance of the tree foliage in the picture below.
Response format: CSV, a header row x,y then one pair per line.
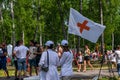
x,y
49,18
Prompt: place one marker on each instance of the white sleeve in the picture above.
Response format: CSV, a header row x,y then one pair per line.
x,y
27,49
57,61
63,58
15,49
42,60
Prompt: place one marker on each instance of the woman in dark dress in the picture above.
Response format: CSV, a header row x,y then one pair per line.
x,y
38,55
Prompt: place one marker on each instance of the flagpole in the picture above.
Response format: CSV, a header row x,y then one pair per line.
x,y
13,25
112,36
102,36
78,37
61,19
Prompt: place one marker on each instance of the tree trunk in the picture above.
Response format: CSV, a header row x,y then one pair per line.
x,y
1,21
112,41
62,19
112,35
101,21
38,18
35,34
23,35
13,25
1,18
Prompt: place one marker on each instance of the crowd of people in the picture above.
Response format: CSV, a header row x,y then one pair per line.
x,y
46,61
84,61
40,58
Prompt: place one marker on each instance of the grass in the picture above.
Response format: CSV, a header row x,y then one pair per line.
x,y
11,69
109,78
96,66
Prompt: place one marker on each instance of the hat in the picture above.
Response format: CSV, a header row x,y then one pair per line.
x,y
64,43
48,43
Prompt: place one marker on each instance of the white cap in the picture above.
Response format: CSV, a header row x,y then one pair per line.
x,y
48,43
64,43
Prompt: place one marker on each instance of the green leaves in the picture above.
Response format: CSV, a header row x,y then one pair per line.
x,y
43,17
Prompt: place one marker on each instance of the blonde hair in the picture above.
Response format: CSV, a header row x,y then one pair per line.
x,y
80,52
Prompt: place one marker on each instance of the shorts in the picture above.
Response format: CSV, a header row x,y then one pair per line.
x,y
16,64
86,58
22,64
32,62
37,61
3,62
80,62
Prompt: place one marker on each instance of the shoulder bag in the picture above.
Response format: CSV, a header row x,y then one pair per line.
x,y
44,68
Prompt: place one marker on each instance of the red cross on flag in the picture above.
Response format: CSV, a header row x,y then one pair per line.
x,y
84,27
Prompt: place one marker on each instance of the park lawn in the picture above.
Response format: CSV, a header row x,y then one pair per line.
x,y
96,66
109,78
10,70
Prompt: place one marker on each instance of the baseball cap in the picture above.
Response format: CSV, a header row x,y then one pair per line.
x,y
48,43
64,43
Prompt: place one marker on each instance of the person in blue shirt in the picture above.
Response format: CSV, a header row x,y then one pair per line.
x,y
3,59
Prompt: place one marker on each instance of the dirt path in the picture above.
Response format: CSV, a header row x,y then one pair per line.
x,y
88,75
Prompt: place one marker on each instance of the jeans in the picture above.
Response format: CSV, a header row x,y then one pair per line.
x,y
22,64
118,68
3,62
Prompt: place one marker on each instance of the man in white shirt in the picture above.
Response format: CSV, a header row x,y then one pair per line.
x,y
66,62
21,58
31,58
113,59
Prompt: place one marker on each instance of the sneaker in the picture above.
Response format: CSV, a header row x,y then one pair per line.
x,y
78,70
84,70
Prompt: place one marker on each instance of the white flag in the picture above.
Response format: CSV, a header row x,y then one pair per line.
x,y
84,27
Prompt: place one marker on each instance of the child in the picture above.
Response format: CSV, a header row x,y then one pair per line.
x,y
80,61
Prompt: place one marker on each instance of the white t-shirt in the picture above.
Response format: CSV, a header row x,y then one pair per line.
x,y
1,52
112,57
117,53
15,50
22,51
80,59
32,50
9,49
